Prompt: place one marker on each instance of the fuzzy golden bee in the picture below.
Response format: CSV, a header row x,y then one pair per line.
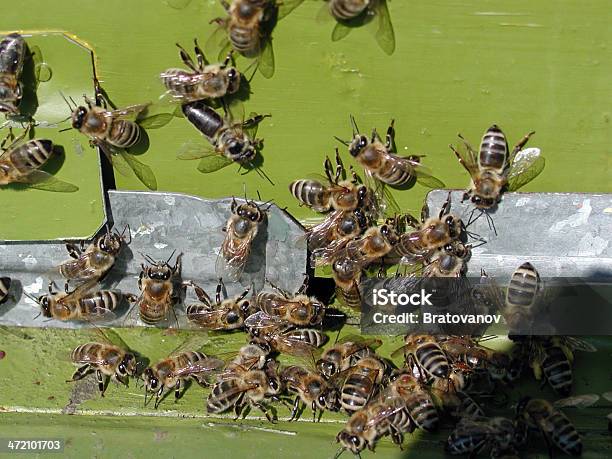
x,y
240,231
227,314
204,81
93,262
495,168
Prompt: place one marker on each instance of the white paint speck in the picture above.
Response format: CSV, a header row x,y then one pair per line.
x,y
33,289
30,260
580,218
143,230
159,245
170,200
521,202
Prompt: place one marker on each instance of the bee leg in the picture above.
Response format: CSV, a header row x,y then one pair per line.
x,y
225,5
80,373
218,291
278,289
201,58
73,251
396,436
314,412
294,410
186,58
265,411
390,137
201,294
519,146
158,396
177,390
254,120
100,382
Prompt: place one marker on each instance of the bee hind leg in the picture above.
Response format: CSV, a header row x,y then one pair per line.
x,y
101,383
80,373
177,391
265,411
73,250
294,409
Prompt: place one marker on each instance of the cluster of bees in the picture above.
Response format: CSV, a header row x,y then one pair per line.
x,y
442,376
245,30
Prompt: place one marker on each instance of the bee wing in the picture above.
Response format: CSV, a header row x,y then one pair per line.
x,y
340,31
206,319
208,365
210,164
422,173
88,359
326,255
384,195
318,235
298,348
142,171
109,336
155,121
216,42
263,320
385,36
233,256
390,410
607,396
467,156
265,63
44,181
129,113
577,401
251,128
578,344
196,150
363,342
526,165
287,6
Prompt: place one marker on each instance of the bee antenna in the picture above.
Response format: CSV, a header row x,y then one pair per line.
x,y
67,102
31,297
263,175
37,315
344,142
170,257
354,125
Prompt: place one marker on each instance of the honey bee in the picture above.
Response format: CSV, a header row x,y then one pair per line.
x,y
419,404
425,353
473,435
450,262
82,303
243,387
158,290
230,141
205,81
169,373
12,57
228,314
277,335
551,359
385,415
359,383
311,388
431,234
524,290
240,232
375,243
5,286
345,353
349,13
381,162
497,169
95,261
248,26
556,428
347,274
250,357
338,226
299,310
110,361
113,132
337,194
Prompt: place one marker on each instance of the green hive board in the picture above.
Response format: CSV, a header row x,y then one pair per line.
x,y
458,66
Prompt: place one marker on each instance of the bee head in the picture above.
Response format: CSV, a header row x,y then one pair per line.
x,y
245,306
354,443
151,381
78,117
127,366
482,202
326,367
362,194
250,211
233,77
45,305
161,272
110,243
358,144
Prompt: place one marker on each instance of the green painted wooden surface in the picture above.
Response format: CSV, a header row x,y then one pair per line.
x,y
36,401
458,66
